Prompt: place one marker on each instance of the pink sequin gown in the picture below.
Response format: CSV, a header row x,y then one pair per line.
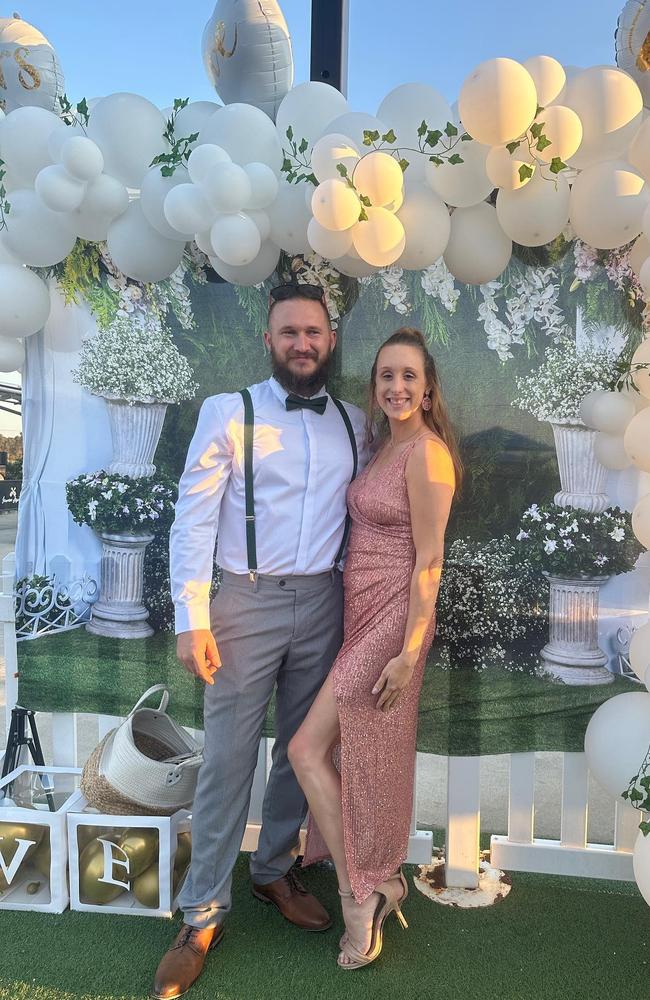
x,y
376,757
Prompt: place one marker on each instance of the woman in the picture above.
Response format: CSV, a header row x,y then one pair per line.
x,y
366,712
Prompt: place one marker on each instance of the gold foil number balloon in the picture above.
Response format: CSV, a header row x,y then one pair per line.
x,y
141,848
18,843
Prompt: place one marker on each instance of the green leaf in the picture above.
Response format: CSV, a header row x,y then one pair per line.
x,y
363,215
451,130
289,133
365,200
556,165
403,164
389,136
543,142
313,179
437,160
511,146
644,827
536,129
342,169
636,795
539,110
455,158
466,137
370,136
525,172
423,128
303,146
433,137
82,107
625,794
286,165
167,171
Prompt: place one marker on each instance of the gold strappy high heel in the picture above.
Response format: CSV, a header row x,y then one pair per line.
x,y
391,903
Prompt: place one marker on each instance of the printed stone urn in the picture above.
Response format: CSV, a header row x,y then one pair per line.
x,y
119,611
135,430
572,653
582,477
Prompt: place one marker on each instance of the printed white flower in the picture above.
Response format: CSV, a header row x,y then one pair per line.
x,y
617,534
522,534
92,509
107,494
550,545
568,544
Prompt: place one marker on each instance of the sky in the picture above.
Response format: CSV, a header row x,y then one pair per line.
x,y
153,47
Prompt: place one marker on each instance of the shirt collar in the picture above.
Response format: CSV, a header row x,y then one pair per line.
x,y
282,393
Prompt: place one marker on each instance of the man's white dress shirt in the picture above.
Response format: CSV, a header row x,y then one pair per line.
x,y
302,465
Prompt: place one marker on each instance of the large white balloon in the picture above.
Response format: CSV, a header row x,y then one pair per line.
x,y
380,239
427,225
379,177
82,158
25,141
262,221
640,650
105,200
461,184
548,76
640,368
35,234
639,253
641,520
153,192
617,739
609,449
405,108
138,250
353,266
187,210
329,243
610,411
235,239
264,185
638,153
289,217
641,864
307,109
498,101
58,190
503,167
637,439
191,119
250,274
24,302
247,53
478,249
31,71
227,187
563,129
330,151
535,214
129,131
12,354
620,196
609,104
203,158
335,205
246,133
353,124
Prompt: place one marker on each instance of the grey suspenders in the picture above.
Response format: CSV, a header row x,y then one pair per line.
x,y
249,428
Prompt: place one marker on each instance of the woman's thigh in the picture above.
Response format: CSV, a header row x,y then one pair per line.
x,y
320,729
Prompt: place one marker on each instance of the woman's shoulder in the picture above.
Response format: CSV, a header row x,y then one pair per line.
x,y
428,451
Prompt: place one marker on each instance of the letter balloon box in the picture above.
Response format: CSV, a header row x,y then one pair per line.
x,y
34,802
127,864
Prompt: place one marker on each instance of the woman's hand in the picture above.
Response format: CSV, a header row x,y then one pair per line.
x,y
395,676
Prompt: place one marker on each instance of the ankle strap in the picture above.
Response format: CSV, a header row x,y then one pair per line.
x,y
347,892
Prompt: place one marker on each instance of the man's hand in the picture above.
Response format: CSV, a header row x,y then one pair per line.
x,y
197,651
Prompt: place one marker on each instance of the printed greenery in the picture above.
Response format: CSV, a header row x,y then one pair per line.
x,y
571,542
43,589
135,361
638,792
110,502
157,588
555,389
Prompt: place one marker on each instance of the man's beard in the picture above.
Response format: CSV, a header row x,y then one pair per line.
x,y
302,385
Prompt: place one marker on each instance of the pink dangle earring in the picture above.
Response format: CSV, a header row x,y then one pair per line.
x,y
426,402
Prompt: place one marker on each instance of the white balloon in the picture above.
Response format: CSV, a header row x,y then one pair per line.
x,y
353,266
640,251
641,520
193,117
639,655
427,226
235,239
82,158
380,239
503,167
498,101
588,406
202,241
641,864
548,76
478,249
129,131
353,124
462,184
31,71
138,250
379,177
617,739
335,205
35,234
153,192
24,143
203,158
105,200
250,274
187,210
227,187
621,197
58,190
610,412
638,153
307,109
24,302
536,213
246,133
609,104
404,109
289,217
59,136
610,451
329,243
262,221
6,256
637,439
331,150
12,354
264,185
641,375
563,129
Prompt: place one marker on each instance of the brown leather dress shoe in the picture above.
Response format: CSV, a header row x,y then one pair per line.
x,y
183,963
293,901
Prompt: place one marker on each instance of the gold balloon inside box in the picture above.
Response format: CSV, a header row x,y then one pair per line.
x,y
127,864
34,803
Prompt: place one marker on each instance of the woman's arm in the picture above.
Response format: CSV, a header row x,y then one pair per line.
x,y
430,485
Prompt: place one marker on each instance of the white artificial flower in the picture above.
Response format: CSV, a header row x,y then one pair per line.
x,y
550,545
617,534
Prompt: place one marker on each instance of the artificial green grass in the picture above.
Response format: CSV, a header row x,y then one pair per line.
x,y
462,712
551,938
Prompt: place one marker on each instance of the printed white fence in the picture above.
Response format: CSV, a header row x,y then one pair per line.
x,y
519,850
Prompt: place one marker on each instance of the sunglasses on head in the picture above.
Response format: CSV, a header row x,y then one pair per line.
x,y
293,290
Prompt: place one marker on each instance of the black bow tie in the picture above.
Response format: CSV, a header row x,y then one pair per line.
x,y
294,402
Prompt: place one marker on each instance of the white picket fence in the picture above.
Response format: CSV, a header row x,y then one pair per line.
x,y
519,850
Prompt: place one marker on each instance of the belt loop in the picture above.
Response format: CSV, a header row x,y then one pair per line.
x,y
332,574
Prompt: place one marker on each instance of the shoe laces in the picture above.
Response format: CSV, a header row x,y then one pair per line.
x,y
294,882
185,936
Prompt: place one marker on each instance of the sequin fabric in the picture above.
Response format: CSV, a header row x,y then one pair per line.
x,y
376,756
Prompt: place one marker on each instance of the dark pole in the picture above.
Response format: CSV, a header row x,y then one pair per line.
x,y
329,42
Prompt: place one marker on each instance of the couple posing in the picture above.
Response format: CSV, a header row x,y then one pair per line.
x,y
276,469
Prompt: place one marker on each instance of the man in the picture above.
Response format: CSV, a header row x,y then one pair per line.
x,y
279,512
